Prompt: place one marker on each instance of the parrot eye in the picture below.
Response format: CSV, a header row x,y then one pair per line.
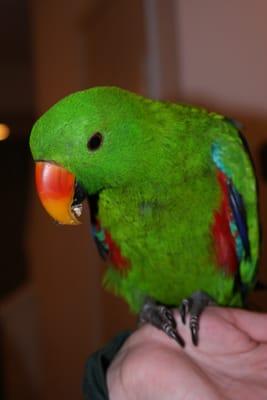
x,y
95,141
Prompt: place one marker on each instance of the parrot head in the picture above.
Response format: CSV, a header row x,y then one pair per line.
x,y
89,141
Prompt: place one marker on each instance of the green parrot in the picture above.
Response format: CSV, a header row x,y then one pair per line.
x,y
172,195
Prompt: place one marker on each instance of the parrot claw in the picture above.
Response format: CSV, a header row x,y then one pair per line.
x,y
195,305
194,328
162,318
184,309
172,333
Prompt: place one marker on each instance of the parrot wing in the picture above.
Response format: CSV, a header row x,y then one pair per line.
x,y
236,228
239,220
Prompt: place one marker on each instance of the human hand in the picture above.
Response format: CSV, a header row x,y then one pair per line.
x,y
230,362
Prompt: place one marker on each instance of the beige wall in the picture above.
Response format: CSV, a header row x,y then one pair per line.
x,y
222,49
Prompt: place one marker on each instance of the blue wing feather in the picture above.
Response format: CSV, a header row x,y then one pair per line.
x,y
239,214
239,223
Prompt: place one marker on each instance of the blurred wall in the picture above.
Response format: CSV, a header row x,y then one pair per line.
x,y
19,363
15,69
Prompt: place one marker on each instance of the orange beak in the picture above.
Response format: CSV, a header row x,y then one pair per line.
x,y
56,188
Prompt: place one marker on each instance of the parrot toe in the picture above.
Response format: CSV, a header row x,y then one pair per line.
x,y
195,305
161,317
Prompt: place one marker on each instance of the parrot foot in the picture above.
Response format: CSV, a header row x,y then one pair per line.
x,y
195,305
162,318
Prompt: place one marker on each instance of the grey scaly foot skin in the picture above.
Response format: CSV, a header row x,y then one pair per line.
x,y
162,318
195,305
